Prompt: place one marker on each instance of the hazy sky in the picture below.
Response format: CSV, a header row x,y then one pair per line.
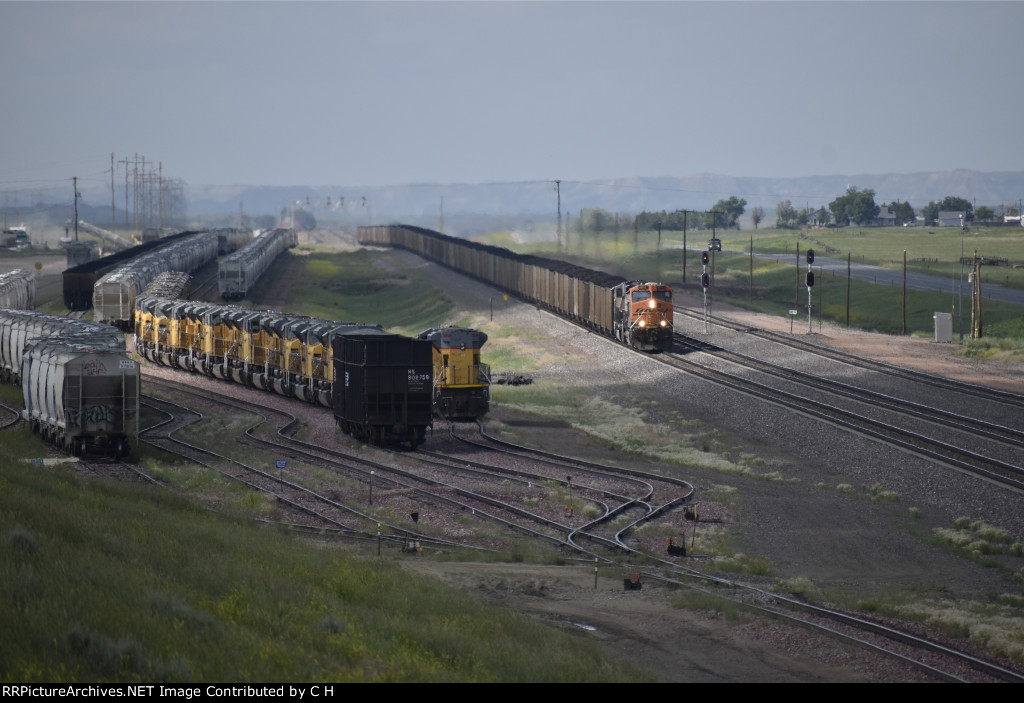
x,y
383,93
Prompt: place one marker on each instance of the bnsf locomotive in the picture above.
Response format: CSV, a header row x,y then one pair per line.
x,y
643,315
634,312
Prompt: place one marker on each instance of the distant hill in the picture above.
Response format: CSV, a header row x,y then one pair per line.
x,y
537,199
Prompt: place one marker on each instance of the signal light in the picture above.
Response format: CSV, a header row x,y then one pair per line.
x,y
705,280
704,258
810,256
810,279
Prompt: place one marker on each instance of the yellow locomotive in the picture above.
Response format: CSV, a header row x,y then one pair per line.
x,y
377,383
462,384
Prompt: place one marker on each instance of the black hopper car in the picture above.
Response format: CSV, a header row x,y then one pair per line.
x,y
382,387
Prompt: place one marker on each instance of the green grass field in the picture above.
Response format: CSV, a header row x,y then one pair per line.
x,y
344,287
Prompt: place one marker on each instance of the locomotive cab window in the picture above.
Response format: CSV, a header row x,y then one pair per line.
x,y
639,295
665,295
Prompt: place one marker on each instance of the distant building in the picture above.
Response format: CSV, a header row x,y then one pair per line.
x,y
886,217
950,219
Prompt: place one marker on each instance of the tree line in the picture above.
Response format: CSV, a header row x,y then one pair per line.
x,y
725,214
853,207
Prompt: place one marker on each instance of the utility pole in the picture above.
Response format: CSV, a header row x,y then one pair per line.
x,y
113,212
684,245
74,181
960,284
904,292
125,162
135,193
440,223
750,277
558,191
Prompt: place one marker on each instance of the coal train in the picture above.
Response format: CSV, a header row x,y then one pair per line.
x,y
637,313
80,388
377,383
238,272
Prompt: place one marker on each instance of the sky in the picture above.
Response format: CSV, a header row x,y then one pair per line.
x,y
388,93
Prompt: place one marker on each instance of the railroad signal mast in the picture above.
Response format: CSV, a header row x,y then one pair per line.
x,y
810,285
705,284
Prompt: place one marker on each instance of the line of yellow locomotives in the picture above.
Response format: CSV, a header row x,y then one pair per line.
x,y
294,355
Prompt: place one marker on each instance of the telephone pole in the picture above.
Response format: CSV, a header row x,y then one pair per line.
x,y
558,191
113,212
74,181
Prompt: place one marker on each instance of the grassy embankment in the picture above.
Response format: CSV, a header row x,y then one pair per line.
x,y
105,581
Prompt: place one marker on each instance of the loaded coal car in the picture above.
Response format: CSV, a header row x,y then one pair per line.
x,y
17,289
80,395
238,273
382,388
600,301
462,384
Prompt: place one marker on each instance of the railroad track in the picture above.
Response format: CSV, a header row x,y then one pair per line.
x,y
934,658
385,478
879,416
444,484
938,661
676,492
939,382
9,416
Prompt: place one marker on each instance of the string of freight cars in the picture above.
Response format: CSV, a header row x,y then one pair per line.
x,y
80,388
636,313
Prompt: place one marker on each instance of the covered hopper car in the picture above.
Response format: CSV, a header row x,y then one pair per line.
x,y
114,294
17,289
80,389
80,281
82,397
240,271
636,313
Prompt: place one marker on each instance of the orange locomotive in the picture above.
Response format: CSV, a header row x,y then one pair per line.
x,y
642,316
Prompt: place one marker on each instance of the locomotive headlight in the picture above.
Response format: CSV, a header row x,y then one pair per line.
x,y
641,323
651,304
664,324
